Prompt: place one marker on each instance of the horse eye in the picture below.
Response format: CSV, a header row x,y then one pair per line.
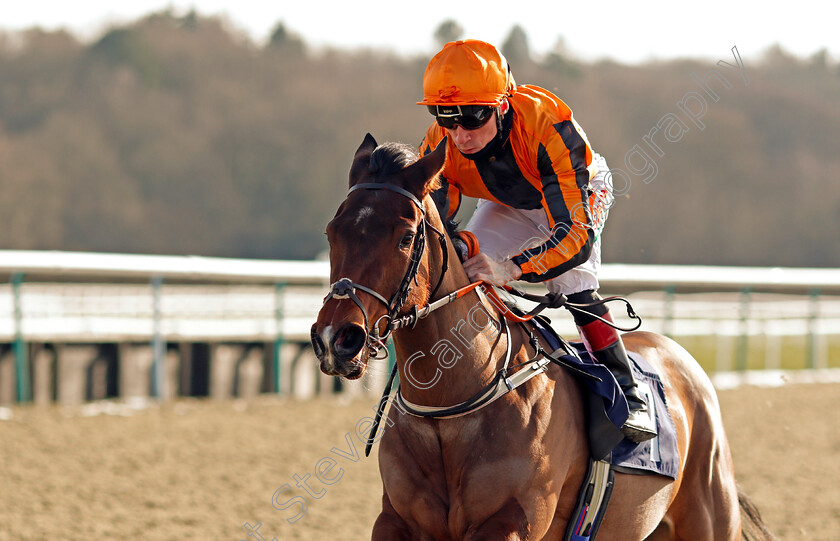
x,y
405,241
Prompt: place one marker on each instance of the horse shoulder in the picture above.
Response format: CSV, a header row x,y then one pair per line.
x,y
543,459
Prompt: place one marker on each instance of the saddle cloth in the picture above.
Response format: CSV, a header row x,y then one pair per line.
x,y
655,456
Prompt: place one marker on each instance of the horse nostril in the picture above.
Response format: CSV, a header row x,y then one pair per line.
x,y
318,345
349,341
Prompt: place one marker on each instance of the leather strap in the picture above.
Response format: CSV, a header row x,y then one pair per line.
x,y
384,186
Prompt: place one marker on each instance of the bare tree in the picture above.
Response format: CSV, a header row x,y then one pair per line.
x,y
448,30
516,48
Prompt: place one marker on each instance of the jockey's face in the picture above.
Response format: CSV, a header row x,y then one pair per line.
x,y
471,141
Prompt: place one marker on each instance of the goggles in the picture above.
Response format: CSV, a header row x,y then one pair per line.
x,y
469,117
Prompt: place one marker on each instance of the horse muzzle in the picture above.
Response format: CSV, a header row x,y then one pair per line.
x,y
340,353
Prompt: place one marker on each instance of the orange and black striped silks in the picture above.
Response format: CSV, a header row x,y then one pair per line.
x,y
546,163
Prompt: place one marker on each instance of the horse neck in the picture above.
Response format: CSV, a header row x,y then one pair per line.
x,y
450,355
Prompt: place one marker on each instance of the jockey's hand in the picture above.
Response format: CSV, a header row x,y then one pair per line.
x,y
482,267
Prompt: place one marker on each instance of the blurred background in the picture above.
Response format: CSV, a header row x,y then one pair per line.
x,y
167,170
199,131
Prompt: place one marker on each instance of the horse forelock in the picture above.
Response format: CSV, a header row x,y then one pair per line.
x,y
390,158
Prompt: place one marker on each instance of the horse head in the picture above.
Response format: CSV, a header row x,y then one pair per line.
x,y
379,261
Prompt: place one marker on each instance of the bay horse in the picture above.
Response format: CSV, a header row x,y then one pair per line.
x,y
511,470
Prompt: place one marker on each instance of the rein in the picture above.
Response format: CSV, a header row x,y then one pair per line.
x,y
345,288
504,381
550,300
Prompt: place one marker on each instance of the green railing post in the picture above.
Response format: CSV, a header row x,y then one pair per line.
x,y
158,349
392,359
813,337
668,317
279,338
21,358
743,341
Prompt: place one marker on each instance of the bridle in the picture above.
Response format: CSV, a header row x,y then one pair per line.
x,y
503,382
345,288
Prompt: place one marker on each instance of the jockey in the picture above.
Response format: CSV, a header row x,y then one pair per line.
x,y
542,194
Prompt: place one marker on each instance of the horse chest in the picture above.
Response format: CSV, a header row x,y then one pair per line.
x,y
444,476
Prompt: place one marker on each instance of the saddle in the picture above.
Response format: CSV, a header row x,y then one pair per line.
x,y
606,411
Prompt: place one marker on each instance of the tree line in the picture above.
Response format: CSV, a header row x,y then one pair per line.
x,y
176,135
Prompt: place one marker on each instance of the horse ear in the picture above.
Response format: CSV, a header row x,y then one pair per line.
x,y
362,159
421,177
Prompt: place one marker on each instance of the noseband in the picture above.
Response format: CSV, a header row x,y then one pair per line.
x,y
345,288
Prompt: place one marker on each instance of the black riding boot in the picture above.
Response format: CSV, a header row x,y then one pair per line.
x,y
604,343
639,426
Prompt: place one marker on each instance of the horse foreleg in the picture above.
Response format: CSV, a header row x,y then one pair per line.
x,y
508,524
389,525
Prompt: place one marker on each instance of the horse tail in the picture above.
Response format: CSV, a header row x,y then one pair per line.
x,y
752,526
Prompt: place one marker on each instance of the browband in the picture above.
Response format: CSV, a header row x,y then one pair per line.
x,y
383,186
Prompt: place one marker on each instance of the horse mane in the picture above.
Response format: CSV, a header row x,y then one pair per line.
x,y
441,199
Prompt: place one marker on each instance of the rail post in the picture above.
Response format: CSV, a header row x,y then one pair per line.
x,y
668,316
813,318
21,358
743,341
158,349
279,338
392,358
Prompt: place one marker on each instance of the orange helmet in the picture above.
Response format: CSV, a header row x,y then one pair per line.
x,y
468,72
